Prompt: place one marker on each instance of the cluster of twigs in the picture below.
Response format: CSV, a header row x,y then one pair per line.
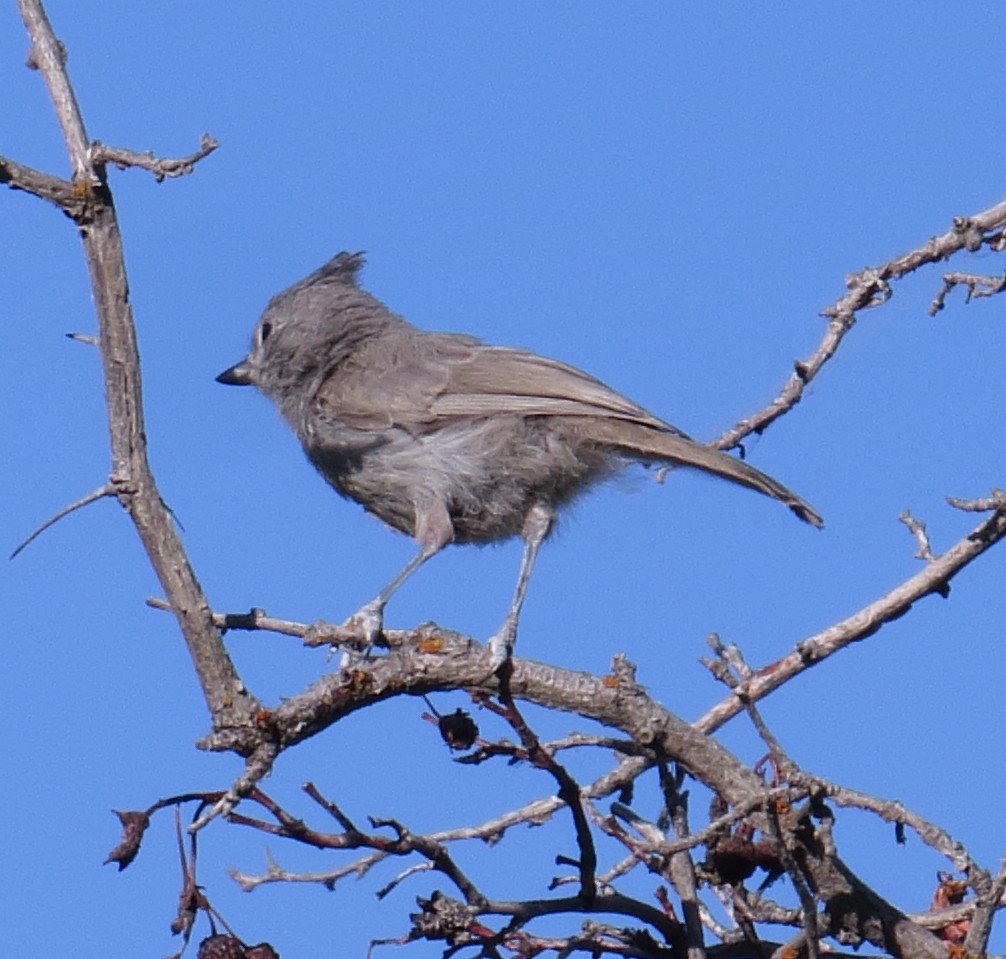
x,y
775,822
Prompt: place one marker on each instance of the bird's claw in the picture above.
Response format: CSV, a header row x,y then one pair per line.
x,y
366,625
501,645
361,631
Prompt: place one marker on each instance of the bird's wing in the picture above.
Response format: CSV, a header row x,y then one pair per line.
x,y
419,380
391,380
493,379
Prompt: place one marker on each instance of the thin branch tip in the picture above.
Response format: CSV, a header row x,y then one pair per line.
x,y
102,491
161,167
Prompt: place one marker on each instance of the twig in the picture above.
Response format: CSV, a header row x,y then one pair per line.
x,y
658,843
892,811
997,500
869,288
290,827
934,578
330,807
48,56
978,286
254,619
918,529
257,767
533,813
161,167
989,901
616,904
46,187
783,841
406,873
681,869
107,489
569,789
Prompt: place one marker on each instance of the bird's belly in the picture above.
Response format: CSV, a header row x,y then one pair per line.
x,y
486,474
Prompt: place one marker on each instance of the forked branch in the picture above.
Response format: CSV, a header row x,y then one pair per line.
x,y
231,705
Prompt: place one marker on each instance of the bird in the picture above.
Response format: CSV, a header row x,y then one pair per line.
x,y
447,439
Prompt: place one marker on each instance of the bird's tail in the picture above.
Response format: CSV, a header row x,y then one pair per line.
x,y
646,443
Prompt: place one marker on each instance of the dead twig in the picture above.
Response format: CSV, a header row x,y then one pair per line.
x,y
107,489
161,167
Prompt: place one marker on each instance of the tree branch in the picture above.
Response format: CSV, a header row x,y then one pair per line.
x,y
872,287
231,705
161,167
933,579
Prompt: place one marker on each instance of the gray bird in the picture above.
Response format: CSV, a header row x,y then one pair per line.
x,y
446,439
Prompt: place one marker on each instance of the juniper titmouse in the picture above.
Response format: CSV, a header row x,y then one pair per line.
x,y
447,439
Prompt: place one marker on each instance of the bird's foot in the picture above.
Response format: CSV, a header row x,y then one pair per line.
x,y
501,644
367,624
359,634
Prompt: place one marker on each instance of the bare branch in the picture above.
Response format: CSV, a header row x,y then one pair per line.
x,y
892,811
48,55
869,288
785,848
935,578
681,868
161,167
258,765
918,529
989,901
230,703
977,286
108,489
569,789
54,190
614,903
983,505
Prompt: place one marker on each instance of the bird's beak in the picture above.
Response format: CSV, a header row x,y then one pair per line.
x,y
238,375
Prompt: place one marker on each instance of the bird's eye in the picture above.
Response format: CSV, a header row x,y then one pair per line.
x,y
264,330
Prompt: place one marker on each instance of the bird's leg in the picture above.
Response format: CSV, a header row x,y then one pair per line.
x,y
433,531
368,620
537,525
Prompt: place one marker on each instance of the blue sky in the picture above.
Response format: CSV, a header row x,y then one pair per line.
x,y
664,195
